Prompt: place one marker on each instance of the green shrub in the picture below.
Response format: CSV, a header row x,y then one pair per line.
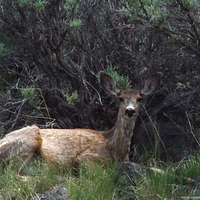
x,y
122,81
76,23
29,94
71,98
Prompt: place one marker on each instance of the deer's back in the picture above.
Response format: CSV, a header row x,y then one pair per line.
x,y
69,146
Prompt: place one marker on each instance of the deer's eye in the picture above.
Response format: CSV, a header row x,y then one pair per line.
x,y
121,99
139,100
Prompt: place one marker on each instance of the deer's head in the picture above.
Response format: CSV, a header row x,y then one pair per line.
x,y
130,99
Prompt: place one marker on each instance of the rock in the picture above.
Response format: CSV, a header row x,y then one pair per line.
x,y
58,192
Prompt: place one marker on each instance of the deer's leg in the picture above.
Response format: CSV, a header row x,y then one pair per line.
x,y
25,163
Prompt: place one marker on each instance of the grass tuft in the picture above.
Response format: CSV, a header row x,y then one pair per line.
x,y
94,182
97,181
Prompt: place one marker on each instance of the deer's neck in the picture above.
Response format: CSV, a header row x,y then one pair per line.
x,y
119,137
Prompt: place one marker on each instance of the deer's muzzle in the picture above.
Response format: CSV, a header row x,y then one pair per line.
x,y
130,112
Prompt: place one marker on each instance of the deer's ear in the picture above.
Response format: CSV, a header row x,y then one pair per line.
x,y
108,84
152,84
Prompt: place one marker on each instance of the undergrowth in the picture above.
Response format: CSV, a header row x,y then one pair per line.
x,y
96,181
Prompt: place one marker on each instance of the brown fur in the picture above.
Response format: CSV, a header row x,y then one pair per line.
x,y
71,147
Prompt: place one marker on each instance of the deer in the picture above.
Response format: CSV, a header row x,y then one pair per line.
x,y
72,147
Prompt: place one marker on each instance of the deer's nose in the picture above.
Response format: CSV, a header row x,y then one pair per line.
x,y
129,112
